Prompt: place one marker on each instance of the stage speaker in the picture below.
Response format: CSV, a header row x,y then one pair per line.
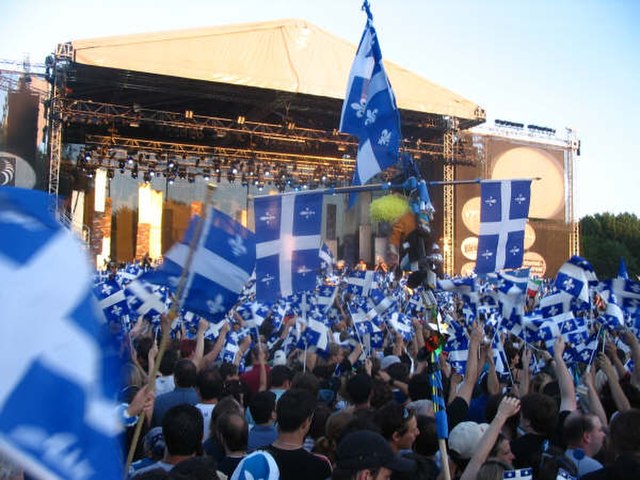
x,y
547,235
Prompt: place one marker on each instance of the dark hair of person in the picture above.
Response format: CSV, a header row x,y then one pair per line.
x,y
419,387
227,369
294,408
381,393
168,361
320,416
306,381
575,426
541,411
142,347
226,404
182,428
399,371
625,432
262,406
233,431
280,374
326,445
185,373
359,388
209,383
427,441
391,418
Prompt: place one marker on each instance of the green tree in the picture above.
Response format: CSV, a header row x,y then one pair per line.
x,y
606,238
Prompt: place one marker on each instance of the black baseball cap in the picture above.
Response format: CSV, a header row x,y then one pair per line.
x,y
366,449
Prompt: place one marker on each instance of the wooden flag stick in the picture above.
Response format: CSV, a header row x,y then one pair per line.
x,y
169,317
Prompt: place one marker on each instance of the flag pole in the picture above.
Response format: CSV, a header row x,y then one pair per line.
x,y
409,184
168,318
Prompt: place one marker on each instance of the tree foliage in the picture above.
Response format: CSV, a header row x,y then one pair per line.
x,y
606,238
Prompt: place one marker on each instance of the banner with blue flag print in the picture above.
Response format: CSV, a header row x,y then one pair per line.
x,y
369,111
504,210
58,384
223,261
287,244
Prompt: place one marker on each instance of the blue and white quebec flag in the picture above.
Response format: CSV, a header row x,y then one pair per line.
x,y
369,111
287,243
504,209
58,385
223,261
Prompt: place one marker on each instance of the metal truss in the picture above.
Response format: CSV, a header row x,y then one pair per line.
x,y
195,126
574,237
448,175
55,153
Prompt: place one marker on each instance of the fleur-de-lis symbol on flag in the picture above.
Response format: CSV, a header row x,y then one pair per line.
x,y
216,305
371,116
385,137
237,246
359,107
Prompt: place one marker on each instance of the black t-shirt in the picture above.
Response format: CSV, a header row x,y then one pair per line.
x,y
296,464
457,412
228,464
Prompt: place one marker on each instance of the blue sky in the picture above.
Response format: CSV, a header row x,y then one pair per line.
x,y
555,63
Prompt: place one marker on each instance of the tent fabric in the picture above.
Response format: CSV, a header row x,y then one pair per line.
x,y
287,55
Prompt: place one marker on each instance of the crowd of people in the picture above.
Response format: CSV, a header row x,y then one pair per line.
x,y
357,413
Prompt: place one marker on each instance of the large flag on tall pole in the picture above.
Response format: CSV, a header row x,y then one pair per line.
x,y
504,210
369,111
287,243
57,388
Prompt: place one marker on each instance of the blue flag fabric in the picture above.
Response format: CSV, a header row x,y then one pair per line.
x,y
287,244
503,214
111,299
223,261
57,413
145,299
369,110
574,277
360,282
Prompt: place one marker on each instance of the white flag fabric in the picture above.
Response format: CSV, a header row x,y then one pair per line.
x,y
504,209
287,244
369,110
57,389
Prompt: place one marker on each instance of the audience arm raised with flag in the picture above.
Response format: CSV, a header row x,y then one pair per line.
x,y
612,352
595,405
198,353
493,385
565,381
619,398
509,406
522,388
632,342
472,370
211,357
